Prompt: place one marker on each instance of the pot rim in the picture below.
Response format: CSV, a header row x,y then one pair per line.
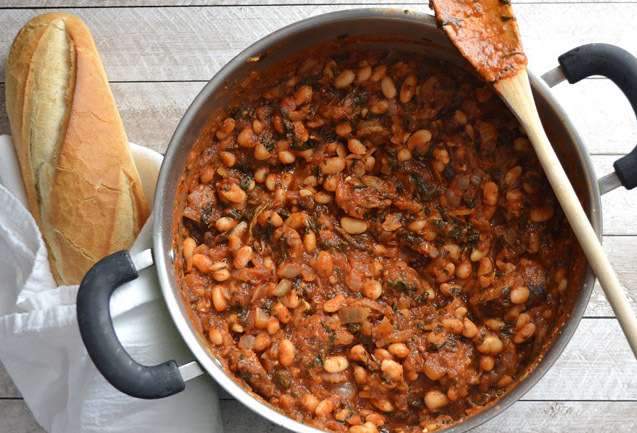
x,y
162,226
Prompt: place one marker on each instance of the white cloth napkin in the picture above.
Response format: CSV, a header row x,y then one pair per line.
x,y
40,345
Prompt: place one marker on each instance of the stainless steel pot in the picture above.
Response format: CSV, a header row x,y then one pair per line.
x,y
405,31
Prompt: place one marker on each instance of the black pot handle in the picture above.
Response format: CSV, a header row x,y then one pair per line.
x,y
619,66
102,344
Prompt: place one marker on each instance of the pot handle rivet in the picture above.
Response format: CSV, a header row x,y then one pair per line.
x,y
553,77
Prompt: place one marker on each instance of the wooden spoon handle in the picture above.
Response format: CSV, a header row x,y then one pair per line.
x,y
516,92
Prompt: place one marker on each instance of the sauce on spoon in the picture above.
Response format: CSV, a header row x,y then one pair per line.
x,y
485,32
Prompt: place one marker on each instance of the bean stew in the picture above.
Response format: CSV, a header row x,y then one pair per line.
x,y
369,244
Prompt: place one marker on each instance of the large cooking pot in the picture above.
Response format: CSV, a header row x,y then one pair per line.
x,y
401,30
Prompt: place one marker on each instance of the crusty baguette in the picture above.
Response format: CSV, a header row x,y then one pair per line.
x,y
82,185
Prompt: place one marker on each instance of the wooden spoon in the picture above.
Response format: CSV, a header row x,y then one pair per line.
x,y
486,33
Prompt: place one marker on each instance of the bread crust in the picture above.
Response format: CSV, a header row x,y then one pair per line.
x,y
82,185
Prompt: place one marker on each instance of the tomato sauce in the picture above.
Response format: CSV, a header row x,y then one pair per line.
x,y
486,33
368,243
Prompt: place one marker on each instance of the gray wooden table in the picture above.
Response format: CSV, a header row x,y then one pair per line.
x,y
159,53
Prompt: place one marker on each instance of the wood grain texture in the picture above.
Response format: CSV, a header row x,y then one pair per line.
x,y
601,115
151,111
621,251
596,365
189,44
522,417
192,43
15,417
7,388
219,3
208,3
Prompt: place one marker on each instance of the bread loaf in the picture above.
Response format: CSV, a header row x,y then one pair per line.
x,y
82,185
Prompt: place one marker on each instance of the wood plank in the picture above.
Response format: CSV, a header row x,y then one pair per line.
x,y
597,364
15,417
170,3
601,114
522,417
621,251
217,3
7,388
152,110
192,43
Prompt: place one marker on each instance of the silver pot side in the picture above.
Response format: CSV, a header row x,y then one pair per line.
x,y
415,33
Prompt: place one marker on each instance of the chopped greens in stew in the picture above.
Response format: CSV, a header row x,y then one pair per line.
x,y
370,245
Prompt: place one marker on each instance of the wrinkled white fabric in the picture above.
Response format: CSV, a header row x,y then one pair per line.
x,y
40,345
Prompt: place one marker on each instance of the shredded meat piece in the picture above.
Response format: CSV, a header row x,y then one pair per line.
x,y
248,367
357,196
